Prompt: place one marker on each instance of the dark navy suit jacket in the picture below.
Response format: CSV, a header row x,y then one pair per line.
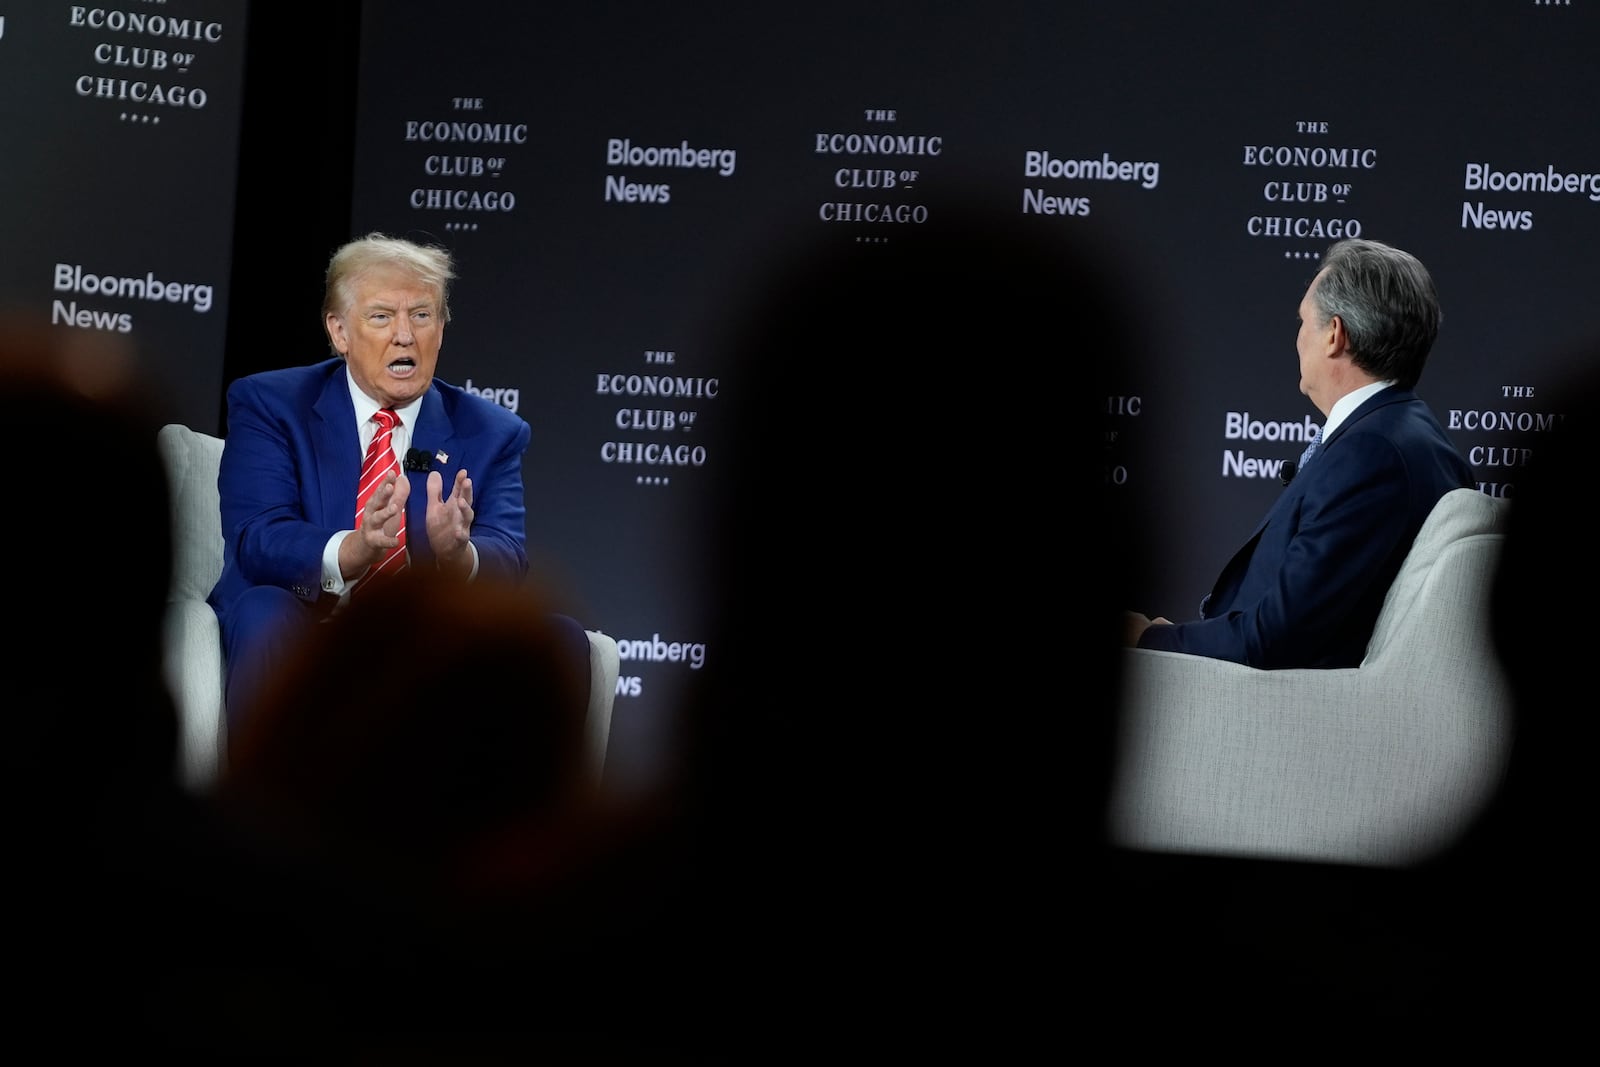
x,y
292,459
1307,587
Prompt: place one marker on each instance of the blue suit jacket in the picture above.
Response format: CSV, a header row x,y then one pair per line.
x,y
292,459
1307,587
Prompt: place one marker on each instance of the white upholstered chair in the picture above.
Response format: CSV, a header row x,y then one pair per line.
x,y
193,640
1385,764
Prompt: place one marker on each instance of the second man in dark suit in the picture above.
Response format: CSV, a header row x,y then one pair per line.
x,y
1306,588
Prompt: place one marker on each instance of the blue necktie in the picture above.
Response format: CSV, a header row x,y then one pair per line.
x,y
1311,449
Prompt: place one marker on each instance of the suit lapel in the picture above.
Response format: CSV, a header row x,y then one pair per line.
x,y
433,434
338,450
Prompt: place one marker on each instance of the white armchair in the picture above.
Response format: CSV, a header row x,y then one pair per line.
x,y
1385,764
193,639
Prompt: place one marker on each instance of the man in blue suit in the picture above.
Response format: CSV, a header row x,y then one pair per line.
x,y
294,546
1306,588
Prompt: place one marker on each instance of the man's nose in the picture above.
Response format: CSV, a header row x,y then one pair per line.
x,y
402,331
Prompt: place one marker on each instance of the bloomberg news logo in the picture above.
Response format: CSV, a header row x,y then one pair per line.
x,y
654,650
1239,426
506,398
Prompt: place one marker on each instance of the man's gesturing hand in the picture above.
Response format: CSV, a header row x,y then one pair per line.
x,y
450,522
379,528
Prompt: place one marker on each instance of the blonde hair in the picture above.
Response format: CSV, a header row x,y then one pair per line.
x,y
428,264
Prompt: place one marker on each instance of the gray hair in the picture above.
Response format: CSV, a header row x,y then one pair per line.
x,y
1386,300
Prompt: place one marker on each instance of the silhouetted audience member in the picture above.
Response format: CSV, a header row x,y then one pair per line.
x,y
1519,885
402,781
459,858
902,750
1543,592
89,633
110,857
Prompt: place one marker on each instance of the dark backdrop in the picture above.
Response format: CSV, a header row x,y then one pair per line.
x,y
1253,134
1203,156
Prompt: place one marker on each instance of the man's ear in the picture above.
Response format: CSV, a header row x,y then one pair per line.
x,y
336,336
1337,339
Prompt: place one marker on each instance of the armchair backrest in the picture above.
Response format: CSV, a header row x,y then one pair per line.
x,y
191,460
1459,543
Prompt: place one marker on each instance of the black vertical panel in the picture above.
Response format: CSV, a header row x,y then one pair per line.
x,y
293,209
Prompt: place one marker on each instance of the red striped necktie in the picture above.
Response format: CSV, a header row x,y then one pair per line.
x,y
379,462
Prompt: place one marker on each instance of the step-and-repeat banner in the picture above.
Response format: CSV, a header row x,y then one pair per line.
x,y
611,176
119,140
607,177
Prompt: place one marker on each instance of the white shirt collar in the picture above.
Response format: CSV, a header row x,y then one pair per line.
x,y
1341,408
365,406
